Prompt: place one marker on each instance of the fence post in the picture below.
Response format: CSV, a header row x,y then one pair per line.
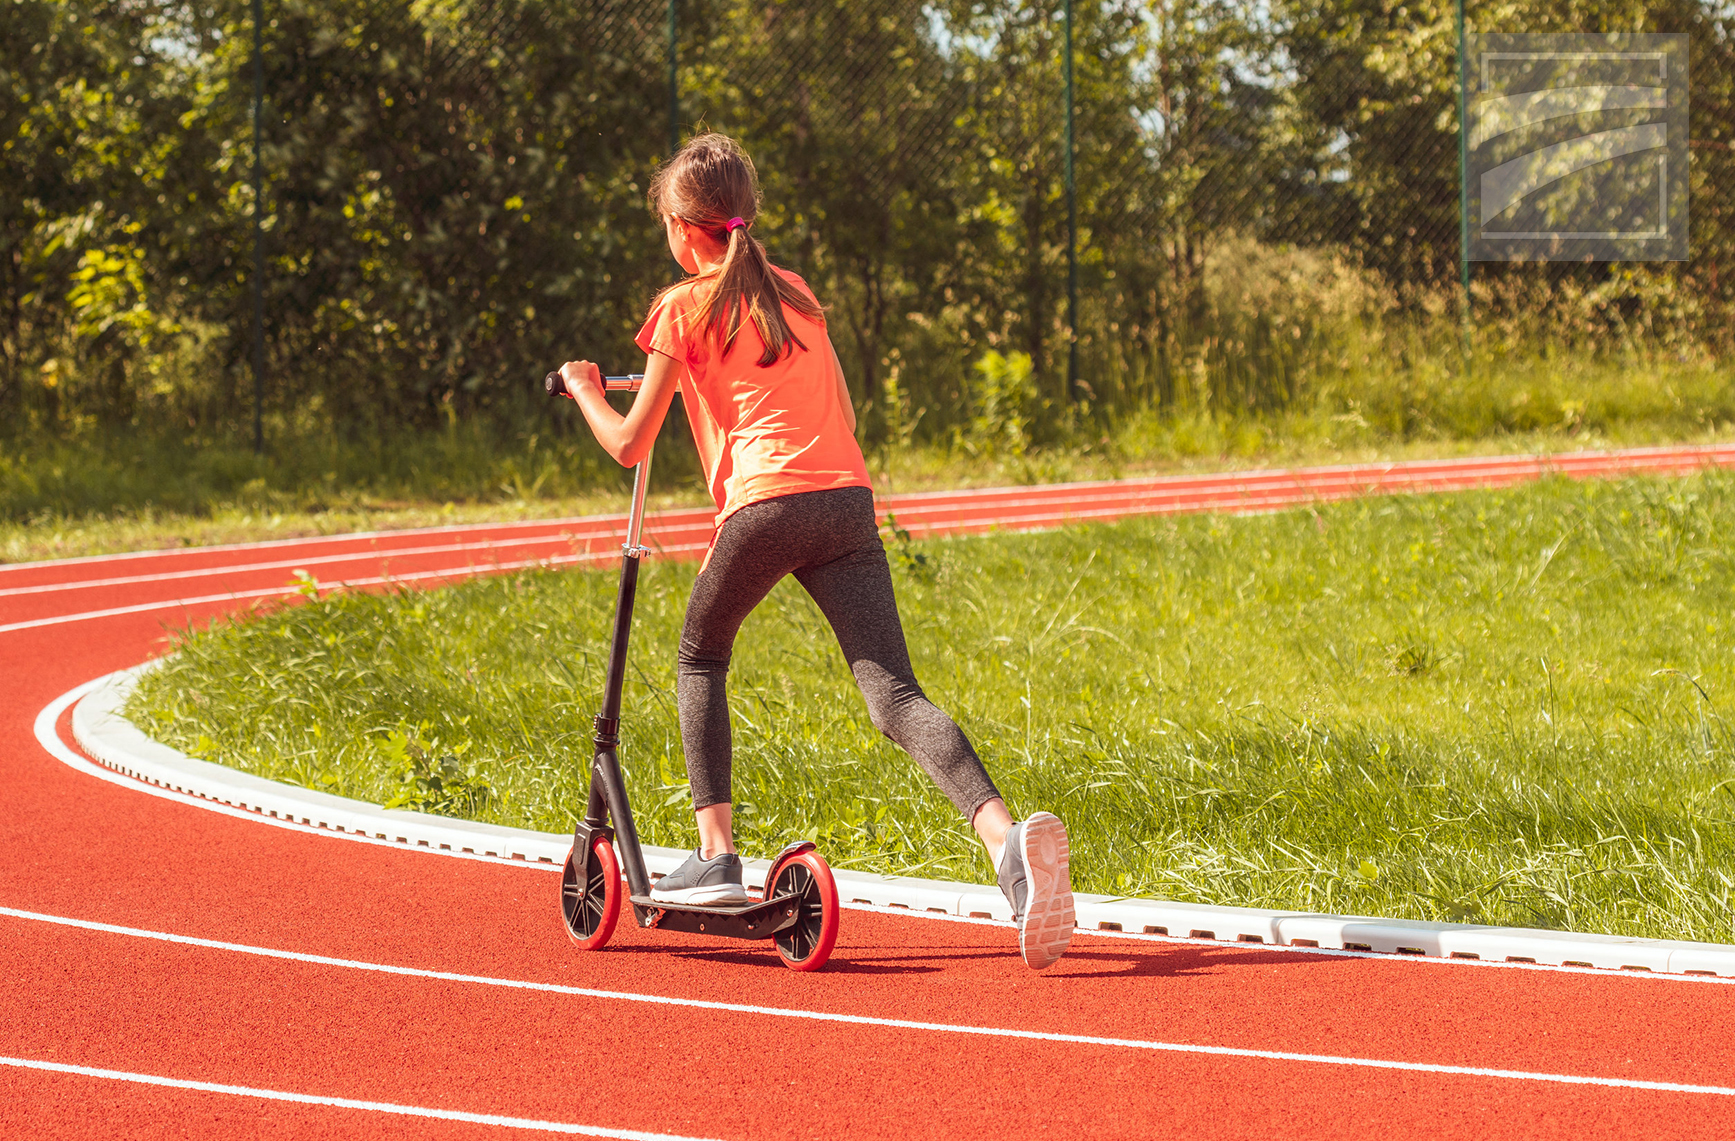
x,y
1463,196
1072,384
258,233
674,86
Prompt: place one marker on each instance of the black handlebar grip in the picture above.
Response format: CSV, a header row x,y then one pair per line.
x,y
553,385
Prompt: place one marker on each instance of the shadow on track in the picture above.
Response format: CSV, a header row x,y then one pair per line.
x,y
1171,961
1094,961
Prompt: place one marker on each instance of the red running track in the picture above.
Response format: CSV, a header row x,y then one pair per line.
x,y
312,986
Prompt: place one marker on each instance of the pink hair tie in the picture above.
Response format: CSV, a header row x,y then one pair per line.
x,y
735,223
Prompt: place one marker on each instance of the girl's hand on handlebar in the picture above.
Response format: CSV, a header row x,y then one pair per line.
x,y
577,373
627,438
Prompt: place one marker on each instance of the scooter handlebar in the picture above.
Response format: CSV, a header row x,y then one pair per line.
x,y
555,386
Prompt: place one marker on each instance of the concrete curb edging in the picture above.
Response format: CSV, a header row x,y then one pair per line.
x,y
116,743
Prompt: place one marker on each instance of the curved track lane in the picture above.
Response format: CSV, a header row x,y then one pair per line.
x,y
172,971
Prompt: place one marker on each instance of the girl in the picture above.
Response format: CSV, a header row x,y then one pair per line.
x,y
775,429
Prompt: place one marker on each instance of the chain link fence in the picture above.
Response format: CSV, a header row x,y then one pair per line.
x,y
1261,200
1257,189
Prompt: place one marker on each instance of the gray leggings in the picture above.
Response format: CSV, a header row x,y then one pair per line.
x,y
829,541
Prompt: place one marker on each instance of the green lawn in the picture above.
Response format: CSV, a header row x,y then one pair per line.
x,y
1504,707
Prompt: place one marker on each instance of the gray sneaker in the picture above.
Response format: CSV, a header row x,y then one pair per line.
x,y
1037,883
716,880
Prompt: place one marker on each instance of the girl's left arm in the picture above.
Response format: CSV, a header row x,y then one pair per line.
x,y
627,438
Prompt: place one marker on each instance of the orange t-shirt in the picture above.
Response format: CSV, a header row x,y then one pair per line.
x,y
761,432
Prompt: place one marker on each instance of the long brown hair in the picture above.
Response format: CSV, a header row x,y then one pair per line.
x,y
706,184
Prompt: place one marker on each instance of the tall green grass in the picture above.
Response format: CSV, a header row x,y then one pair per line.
x,y
113,473
1505,707
101,492
1386,394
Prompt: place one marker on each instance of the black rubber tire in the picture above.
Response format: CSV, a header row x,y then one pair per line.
x,y
590,917
807,945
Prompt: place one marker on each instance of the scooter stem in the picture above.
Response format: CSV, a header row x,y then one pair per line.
x,y
636,517
608,787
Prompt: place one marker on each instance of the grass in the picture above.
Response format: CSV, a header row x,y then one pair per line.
x,y
1503,707
97,493
64,498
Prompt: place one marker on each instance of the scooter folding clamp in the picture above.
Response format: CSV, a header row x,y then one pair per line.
x,y
608,730
633,552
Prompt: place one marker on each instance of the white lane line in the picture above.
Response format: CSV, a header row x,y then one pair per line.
x,y
702,514
869,1020
375,554
48,736
1163,499
46,729
392,1107
1249,497
902,912
1636,460
938,526
381,580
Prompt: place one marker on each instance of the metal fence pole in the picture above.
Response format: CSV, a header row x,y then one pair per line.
x,y
674,85
1072,383
1463,193
258,233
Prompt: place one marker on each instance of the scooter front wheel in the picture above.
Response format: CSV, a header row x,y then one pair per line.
x,y
807,944
590,894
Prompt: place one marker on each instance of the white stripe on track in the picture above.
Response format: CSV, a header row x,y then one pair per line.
x,y
342,1102
47,734
869,1020
353,537
374,554
380,580
1623,461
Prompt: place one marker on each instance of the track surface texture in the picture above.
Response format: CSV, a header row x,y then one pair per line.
x,y
176,972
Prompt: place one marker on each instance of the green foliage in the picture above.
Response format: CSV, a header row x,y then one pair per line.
x,y
430,779
1509,707
908,555
1002,397
453,198
453,202
101,179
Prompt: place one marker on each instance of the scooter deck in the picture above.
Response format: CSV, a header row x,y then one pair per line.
x,y
748,920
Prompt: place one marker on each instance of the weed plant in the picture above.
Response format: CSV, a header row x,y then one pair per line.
x,y
1502,707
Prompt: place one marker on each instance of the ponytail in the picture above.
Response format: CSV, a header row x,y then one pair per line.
x,y
711,184
748,282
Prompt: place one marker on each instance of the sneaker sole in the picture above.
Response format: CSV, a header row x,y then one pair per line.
x,y
1049,916
709,893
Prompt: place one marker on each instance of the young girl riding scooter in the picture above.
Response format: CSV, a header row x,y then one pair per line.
x,y
746,343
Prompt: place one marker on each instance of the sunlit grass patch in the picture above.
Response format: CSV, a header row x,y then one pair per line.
x,y
1503,707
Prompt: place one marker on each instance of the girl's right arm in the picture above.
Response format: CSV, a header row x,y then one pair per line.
x,y
627,438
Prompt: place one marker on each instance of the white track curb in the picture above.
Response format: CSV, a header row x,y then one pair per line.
x,y
117,743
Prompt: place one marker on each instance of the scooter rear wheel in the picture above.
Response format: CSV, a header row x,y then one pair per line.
x,y
590,894
807,945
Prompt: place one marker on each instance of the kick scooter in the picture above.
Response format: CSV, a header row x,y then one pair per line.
x,y
799,907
